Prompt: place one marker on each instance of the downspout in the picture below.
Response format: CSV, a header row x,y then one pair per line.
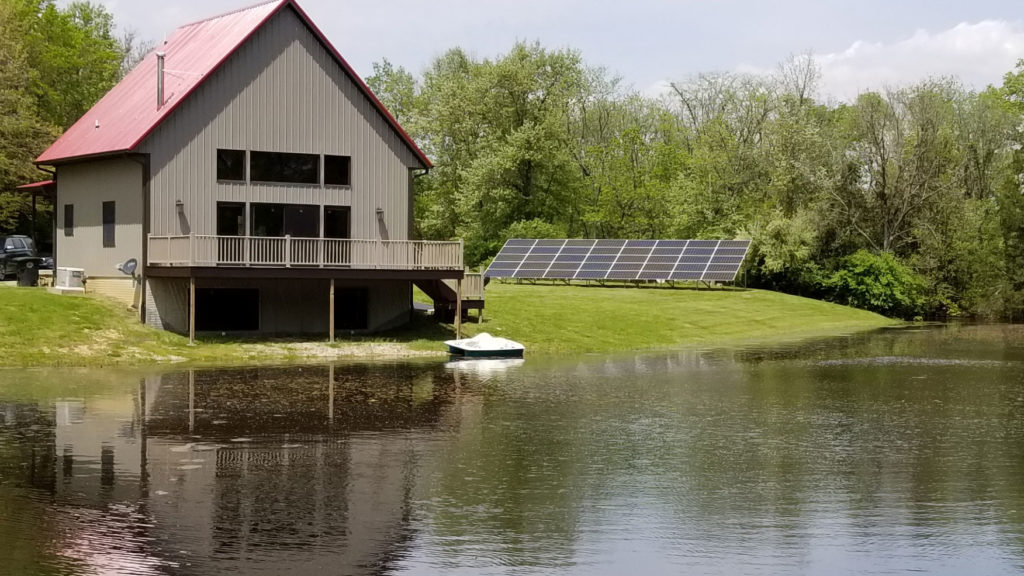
x,y
412,194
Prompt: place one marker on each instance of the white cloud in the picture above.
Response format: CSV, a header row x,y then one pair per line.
x,y
978,54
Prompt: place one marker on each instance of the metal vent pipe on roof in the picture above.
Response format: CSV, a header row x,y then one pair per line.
x,y
159,79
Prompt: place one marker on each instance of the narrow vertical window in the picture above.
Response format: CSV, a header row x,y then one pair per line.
x,y
69,219
109,220
231,165
337,170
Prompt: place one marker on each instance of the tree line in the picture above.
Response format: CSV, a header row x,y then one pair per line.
x,y
905,200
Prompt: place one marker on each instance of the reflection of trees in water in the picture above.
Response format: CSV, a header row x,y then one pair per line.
x,y
298,399
790,451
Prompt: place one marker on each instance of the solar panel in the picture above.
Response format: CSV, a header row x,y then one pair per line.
x,y
580,259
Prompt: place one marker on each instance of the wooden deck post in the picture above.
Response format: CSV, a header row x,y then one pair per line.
x,y
191,310
330,320
191,401
458,309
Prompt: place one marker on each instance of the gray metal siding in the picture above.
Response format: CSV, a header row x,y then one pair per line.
x,y
87,186
282,91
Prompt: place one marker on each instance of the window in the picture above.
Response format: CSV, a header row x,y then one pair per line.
x,y
14,244
231,165
336,221
337,170
277,220
282,167
69,219
109,218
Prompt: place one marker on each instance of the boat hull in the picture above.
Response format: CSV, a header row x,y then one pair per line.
x,y
485,353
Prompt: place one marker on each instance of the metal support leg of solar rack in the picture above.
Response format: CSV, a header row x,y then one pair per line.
x,y
458,309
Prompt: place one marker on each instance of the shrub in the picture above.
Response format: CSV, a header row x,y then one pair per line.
x,y
877,282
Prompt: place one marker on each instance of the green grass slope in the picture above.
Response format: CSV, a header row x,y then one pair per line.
x,y
577,318
42,329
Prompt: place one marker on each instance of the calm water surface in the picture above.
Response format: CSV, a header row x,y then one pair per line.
x,y
895,452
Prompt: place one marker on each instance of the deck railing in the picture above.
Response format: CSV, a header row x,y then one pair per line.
x,y
472,286
259,251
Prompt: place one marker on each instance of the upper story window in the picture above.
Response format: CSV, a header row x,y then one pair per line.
x,y
231,165
284,167
337,170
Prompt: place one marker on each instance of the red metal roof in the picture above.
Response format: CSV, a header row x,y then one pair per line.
x,y
123,118
42,184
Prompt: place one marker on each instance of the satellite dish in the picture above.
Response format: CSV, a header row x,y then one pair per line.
x,y
129,266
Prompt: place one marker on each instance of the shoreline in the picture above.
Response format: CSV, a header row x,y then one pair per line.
x,y
41,330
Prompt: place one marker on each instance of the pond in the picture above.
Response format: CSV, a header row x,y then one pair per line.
x,y
884,453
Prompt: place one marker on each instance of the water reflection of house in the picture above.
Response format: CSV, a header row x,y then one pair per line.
x,y
166,470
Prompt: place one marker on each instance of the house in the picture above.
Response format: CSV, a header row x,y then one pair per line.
x,y
254,178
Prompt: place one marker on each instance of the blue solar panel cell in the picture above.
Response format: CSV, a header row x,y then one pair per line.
x,y
699,252
672,244
685,276
580,242
550,243
499,273
591,275
742,244
733,261
632,258
641,243
703,243
570,258
663,260
519,242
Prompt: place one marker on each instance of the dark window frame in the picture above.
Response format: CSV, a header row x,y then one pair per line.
x,y
225,176
337,175
69,219
109,224
272,168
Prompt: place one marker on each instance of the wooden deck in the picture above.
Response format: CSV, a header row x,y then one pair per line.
x,y
202,251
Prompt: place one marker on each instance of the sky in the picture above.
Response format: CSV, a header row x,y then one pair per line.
x,y
859,44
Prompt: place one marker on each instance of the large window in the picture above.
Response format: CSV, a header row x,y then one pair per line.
x,y
282,167
337,170
231,165
276,220
69,219
109,224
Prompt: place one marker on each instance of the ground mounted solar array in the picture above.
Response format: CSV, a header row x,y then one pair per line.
x,y
683,260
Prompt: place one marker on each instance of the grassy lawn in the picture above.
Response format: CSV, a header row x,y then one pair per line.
x,y
42,329
558,319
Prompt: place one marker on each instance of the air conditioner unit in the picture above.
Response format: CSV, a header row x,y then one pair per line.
x,y
70,280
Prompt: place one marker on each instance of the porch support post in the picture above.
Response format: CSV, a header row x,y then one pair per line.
x,y
330,319
330,393
458,309
191,310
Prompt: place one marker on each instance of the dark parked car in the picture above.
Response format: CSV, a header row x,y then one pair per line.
x,y
13,250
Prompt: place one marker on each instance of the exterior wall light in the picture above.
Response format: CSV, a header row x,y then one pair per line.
x,y
179,206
